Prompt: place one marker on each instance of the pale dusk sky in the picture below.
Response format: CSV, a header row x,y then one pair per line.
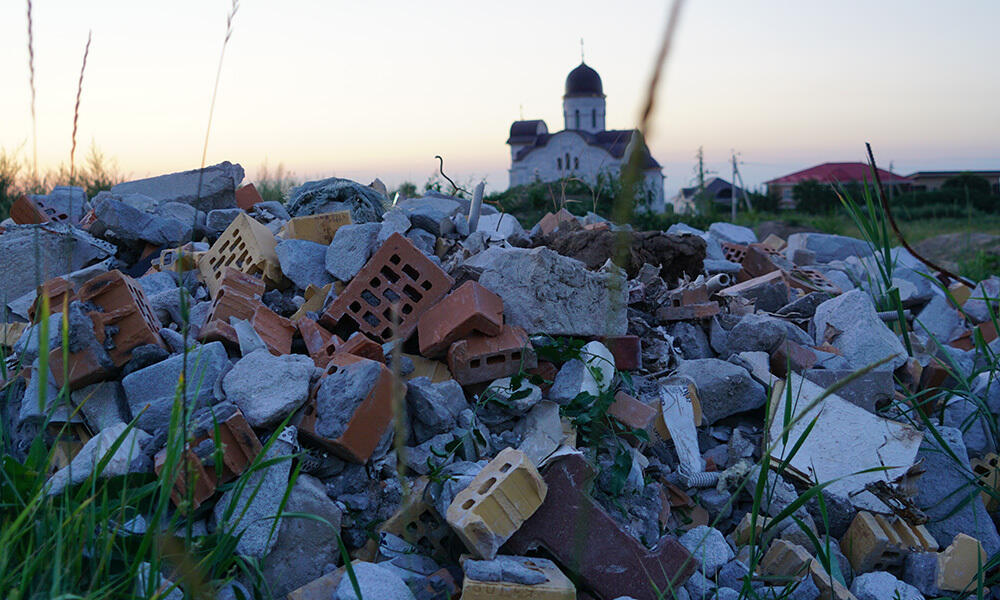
x,y
377,88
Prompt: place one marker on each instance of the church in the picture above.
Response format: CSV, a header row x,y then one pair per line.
x,y
584,149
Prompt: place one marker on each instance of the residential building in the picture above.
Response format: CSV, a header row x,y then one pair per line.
x,y
833,173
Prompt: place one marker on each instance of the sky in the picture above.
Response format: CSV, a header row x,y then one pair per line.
x,y
378,88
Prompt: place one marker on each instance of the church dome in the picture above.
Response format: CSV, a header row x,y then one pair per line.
x,y
584,81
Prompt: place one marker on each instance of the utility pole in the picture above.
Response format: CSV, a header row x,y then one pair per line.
x,y
743,188
701,175
732,191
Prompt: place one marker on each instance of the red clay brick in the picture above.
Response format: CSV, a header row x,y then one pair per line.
x,y
85,368
587,542
633,413
367,425
481,358
124,306
219,331
24,211
626,349
274,330
247,196
397,275
470,308
58,291
733,252
363,346
800,357
204,479
320,343
757,261
550,221
240,445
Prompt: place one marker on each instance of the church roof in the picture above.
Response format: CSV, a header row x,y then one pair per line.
x,y
614,142
584,81
523,132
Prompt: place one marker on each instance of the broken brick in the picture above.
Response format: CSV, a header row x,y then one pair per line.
x,y
481,358
967,341
786,559
85,367
792,355
633,413
550,222
363,346
752,284
367,424
810,280
588,544
181,259
418,523
959,564
58,290
879,543
320,343
390,293
757,261
505,493
245,245
219,331
237,440
25,211
126,317
319,228
626,349
203,479
247,196
556,585
470,308
733,252
314,298
959,292
987,471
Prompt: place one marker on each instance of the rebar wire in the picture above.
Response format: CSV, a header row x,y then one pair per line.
x,y
76,110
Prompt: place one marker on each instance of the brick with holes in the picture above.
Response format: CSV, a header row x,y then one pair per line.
x,y
733,252
350,407
469,309
397,275
987,471
418,523
809,280
363,346
26,212
880,543
591,547
505,493
125,315
320,343
245,245
58,291
480,358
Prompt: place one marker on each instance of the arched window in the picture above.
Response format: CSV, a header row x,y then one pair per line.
x,y
593,118
576,162
559,164
567,161
577,119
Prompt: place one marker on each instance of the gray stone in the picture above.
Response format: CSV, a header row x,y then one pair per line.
x,y
732,574
456,477
724,388
431,213
805,306
879,585
850,323
946,487
34,408
27,346
433,407
306,548
351,248
987,290
423,240
726,594
132,225
709,546
501,226
218,187
340,394
274,208
248,338
373,582
185,214
151,391
544,292
158,282
127,458
802,257
939,320
867,391
756,333
62,249
335,194
920,570
166,305
965,415
828,247
713,266
511,569
102,404
516,401
736,234
393,221
303,262
220,218
569,381
65,200
268,388
699,587
251,514
986,387
691,340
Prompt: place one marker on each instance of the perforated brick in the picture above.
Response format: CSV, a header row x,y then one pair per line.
x,y
126,315
363,346
590,546
733,252
25,211
481,358
317,228
987,470
320,343
811,280
58,291
248,247
496,503
397,275
368,423
880,543
418,523
469,309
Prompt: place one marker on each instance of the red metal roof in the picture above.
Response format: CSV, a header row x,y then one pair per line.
x,y
839,172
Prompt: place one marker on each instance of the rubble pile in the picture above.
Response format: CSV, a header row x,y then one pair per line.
x,y
480,411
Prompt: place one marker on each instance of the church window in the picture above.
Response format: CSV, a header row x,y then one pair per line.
x,y
576,162
577,119
593,118
567,161
559,164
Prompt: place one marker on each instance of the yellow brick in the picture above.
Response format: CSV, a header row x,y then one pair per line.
x,y
498,501
317,228
314,296
987,470
434,370
11,332
960,292
556,586
959,564
786,559
879,543
245,245
742,533
419,524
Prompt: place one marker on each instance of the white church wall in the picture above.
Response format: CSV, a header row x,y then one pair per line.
x,y
589,107
586,161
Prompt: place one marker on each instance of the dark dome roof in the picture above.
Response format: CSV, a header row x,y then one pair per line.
x,y
584,81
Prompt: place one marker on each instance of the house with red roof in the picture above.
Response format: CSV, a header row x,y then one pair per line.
x,y
832,173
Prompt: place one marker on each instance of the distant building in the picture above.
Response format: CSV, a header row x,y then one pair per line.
x,y
931,181
583,149
840,173
718,189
